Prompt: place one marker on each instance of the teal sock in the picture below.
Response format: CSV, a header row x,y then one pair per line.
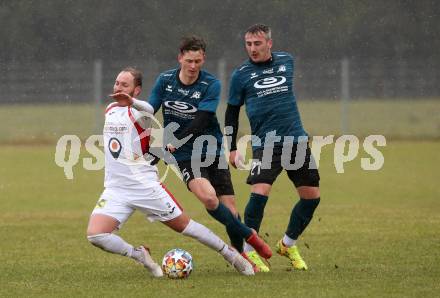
x,y
254,211
301,216
225,216
235,237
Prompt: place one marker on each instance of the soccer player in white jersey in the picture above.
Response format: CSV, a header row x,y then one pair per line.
x,y
131,183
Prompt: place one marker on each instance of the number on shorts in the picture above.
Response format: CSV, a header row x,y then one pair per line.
x,y
256,167
186,175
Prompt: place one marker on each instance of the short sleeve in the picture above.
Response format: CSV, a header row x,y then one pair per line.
x,y
211,98
155,98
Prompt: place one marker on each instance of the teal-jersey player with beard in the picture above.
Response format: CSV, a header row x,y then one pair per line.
x,y
264,84
266,89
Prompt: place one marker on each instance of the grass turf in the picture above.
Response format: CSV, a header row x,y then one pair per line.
x,y
374,234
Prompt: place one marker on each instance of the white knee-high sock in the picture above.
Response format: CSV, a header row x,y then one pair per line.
x,y
114,244
208,238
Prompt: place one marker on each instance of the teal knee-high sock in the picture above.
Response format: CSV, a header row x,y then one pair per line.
x,y
301,216
254,211
225,216
235,237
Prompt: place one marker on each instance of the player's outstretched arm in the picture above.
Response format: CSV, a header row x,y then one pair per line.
x,y
125,99
143,106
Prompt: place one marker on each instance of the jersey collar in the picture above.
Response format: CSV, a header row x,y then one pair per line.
x,y
264,63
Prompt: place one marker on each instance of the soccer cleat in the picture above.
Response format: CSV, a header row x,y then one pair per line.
x,y
254,258
293,254
242,265
243,254
148,262
259,245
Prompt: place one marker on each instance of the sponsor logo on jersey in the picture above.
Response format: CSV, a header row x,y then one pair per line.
x,y
254,75
169,88
180,106
114,146
183,91
115,128
282,68
268,71
270,82
196,95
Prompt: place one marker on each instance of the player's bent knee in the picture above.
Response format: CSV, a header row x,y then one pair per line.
x,y
96,230
100,224
208,198
308,192
179,223
229,202
261,189
92,231
210,202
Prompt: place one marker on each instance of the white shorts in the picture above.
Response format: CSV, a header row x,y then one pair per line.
x,y
154,201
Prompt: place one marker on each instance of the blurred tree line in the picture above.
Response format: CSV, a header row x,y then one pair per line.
x,y
143,29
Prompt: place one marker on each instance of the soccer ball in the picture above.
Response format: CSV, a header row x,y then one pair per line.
x,y
177,263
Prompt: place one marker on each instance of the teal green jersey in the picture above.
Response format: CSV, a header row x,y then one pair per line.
x,y
266,89
180,103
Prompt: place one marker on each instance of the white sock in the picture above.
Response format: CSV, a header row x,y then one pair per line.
x,y
289,242
204,235
247,247
229,253
114,244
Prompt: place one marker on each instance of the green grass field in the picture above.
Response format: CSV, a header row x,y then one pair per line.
x,y
375,234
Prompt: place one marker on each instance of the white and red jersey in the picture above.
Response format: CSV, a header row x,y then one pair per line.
x,y
126,139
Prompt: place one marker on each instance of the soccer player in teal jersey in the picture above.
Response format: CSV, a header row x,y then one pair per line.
x,y
264,84
189,96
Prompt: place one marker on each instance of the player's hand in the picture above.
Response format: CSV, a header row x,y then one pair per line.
x,y
236,159
170,148
122,98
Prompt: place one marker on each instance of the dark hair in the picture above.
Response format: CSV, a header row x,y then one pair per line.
x,y
137,75
192,43
260,28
